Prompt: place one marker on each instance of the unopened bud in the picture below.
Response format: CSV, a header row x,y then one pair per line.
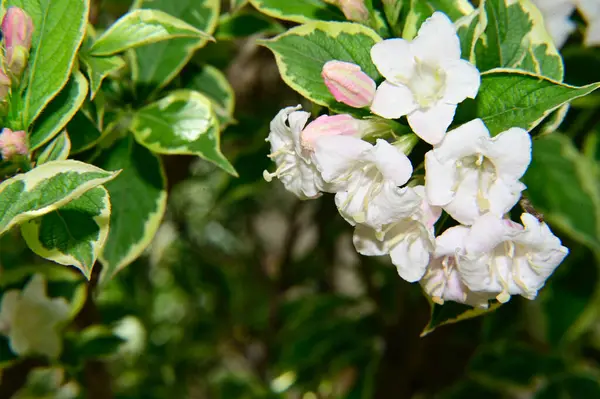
x,y
12,144
406,143
17,29
348,83
354,10
336,125
4,85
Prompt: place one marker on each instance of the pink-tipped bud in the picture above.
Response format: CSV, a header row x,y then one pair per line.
x,y
354,10
348,83
17,29
12,144
336,125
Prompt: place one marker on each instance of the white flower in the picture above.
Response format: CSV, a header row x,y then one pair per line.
x,y
470,174
442,281
366,179
425,78
590,9
556,15
30,319
294,168
409,240
505,258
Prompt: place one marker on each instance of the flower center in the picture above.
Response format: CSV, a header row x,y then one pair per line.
x,y
482,171
427,83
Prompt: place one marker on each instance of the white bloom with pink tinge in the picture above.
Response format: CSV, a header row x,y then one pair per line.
x,y
409,239
348,83
505,258
470,173
13,143
425,78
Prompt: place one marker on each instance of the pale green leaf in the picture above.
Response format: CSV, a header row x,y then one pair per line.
x,y
301,53
211,82
512,98
181,123
98,68
138,199
45,189
60,110
56,150
74,234
59,30
301,11
141,27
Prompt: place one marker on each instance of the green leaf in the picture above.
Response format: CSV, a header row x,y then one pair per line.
x,y
512,98
515,37
138,200
452,312
301,11
211,82
45,189
570,386
98,68
159,63
84,132
96,341
56,150
74,234
244,24
557,163
301,53
60,110
141,27
59,30
181,123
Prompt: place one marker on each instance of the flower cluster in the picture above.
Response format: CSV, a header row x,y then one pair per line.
x,y
473,177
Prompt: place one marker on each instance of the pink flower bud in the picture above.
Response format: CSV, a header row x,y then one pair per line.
x,y
12,143
354,10
348,83
17,28
326,125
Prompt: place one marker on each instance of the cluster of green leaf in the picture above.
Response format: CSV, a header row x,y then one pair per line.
x,y
235,289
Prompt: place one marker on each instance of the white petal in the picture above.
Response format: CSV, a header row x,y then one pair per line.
x,y
439,180
488,231
463,141
391,205
451,241
336,155
589,8
592,34
393,101
393,59
8,309
464,207
411,258
391,162
429,213
431,124
503,196
560,28
510,152
462,81
366,242
436,40
278,125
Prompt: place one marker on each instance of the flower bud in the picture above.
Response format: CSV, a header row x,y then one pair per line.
x,y
12,144
325,125
17,28
4,85
406,143
354,10
348,83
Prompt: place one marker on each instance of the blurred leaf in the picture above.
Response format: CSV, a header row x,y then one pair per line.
x,y
574,386
469,389
244,24
138,200
452,312
59,28
44,383
56,150
301,11
211,82
58,113
96,341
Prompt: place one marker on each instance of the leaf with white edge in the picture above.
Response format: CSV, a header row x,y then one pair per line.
x,y
575,207
512,98
159,63
59,30
138,199
420,10
515,37
301,53
56,150
45,189
98,68
84,133
60,110
181,123
469,29
301,11
211,82
74,234
141,27
452,312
